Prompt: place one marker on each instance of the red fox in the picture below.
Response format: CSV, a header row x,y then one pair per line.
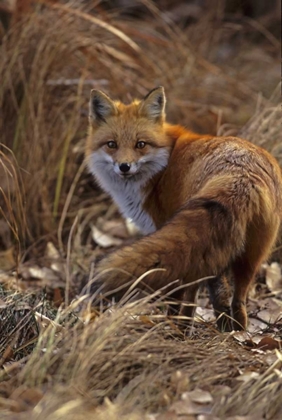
x,y
209,206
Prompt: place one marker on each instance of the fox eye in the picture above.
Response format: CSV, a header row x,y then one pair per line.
x,y
140,145
112,144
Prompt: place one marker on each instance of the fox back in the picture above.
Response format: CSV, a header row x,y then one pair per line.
x,y
211,206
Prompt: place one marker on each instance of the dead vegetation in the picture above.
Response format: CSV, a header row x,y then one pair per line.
x,y
221,72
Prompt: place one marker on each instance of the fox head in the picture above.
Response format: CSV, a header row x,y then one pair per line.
x,y
127,143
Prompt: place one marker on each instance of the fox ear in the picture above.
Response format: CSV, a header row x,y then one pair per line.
x,y
153,105
101,106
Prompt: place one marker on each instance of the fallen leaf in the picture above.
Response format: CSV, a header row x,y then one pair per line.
x,y
104,240
7,260
269,343
43,321
273,277
256,338
256,325
26,398
42,273
198,395
180,381
53,254
193,402
206,314
242,336
3,304
270,358
247,376
271,316
51,251
116,228
188,407
7,355
58,298
220,390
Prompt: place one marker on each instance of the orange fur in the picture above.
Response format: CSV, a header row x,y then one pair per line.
x,y
214,208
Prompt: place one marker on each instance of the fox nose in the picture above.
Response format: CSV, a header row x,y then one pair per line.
x,y
124,167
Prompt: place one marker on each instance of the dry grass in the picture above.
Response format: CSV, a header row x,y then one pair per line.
x,y
70,363
142,364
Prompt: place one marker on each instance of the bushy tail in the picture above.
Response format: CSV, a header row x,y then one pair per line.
x,y
207,234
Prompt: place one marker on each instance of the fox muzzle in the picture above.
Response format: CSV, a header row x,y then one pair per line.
x,y
124,167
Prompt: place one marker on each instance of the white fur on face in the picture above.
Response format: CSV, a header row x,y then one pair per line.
x,y
127,191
